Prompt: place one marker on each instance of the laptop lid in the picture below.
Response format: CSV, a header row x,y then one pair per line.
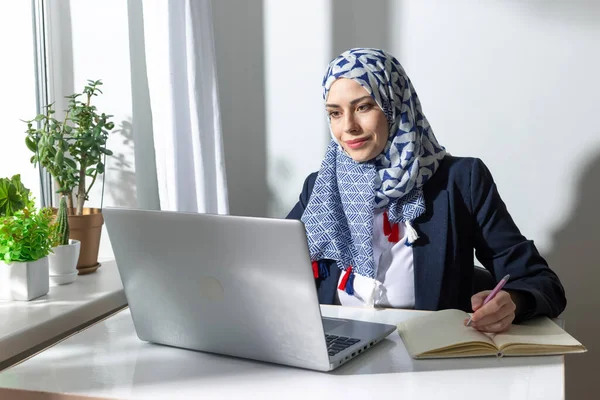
x,y
240,286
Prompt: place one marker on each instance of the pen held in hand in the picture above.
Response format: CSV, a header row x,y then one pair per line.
x,y
493,294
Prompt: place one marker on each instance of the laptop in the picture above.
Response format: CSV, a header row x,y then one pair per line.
x,y
237,286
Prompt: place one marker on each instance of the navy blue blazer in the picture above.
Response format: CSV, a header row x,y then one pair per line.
x,y
464,212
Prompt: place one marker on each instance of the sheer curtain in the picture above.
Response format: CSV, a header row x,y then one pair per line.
x,y
175,107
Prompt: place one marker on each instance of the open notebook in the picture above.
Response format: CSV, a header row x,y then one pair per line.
x,y
442,334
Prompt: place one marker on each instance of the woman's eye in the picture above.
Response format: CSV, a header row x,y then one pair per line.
x,y
364,107
334,114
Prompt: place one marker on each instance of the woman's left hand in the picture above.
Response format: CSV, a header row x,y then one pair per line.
x,y
496,316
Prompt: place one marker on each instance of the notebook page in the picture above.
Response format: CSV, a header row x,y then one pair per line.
x,y
539,331
438,330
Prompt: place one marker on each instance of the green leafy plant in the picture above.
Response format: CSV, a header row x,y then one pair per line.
x,y
27,235
14,196
72,150
62,224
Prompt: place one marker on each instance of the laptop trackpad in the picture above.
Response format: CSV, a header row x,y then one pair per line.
x,y
330,324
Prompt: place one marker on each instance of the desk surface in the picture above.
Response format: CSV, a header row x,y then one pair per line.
x,y
109,360
27,324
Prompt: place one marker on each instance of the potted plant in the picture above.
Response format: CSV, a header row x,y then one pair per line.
x,y
65,252
26,237
73,150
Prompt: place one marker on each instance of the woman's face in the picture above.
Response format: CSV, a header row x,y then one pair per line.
x,y
357,122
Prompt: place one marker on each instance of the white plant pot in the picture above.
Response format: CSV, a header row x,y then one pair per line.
x,y
24,280
63,262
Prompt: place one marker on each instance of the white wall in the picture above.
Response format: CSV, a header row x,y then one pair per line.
x,y
523,98
274,130
297,132
18,99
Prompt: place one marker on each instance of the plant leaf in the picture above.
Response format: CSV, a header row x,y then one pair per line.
x,y
30,144
70,163
13,196
58,159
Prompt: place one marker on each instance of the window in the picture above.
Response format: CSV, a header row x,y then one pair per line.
x,y
22,81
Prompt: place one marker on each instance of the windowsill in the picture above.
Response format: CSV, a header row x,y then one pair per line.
x,y
30,326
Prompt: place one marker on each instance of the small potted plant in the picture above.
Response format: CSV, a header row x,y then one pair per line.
x,y
26,237
73,150
65,252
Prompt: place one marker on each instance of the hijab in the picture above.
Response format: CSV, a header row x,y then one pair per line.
x,y
339,215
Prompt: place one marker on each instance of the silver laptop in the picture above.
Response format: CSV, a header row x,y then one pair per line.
x,y
238,286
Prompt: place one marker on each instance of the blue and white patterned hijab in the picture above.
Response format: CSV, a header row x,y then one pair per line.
x,y
339,214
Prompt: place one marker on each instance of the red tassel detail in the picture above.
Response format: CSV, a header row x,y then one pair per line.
x,y
395,235
345,278
389,230
315,267
387,227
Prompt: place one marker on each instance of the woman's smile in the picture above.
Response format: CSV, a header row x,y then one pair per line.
x,y
356,143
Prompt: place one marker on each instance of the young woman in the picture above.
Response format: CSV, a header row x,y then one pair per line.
x,y
393,220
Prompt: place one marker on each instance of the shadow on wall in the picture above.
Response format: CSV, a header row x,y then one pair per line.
x,y
359,23
239,39
122,185
574,257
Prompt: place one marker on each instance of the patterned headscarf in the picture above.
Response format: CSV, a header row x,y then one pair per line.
x,y
339,214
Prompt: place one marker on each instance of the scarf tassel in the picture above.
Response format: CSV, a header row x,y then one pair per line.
x,y
392,231
411,234
320,269
347,283
315,268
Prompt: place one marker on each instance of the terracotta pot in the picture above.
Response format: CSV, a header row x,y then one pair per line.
x,y
87,228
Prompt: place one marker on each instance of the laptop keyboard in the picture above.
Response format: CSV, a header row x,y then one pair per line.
x,y
335,344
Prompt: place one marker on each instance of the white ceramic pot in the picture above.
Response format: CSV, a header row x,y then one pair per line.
x,y
63,279
24,280
63,262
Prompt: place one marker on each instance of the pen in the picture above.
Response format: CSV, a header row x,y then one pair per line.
x,y
494,292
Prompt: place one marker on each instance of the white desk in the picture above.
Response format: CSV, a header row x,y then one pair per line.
x,y
109,360
29,326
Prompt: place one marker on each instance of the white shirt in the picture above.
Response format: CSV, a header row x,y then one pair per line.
x,y
394,284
